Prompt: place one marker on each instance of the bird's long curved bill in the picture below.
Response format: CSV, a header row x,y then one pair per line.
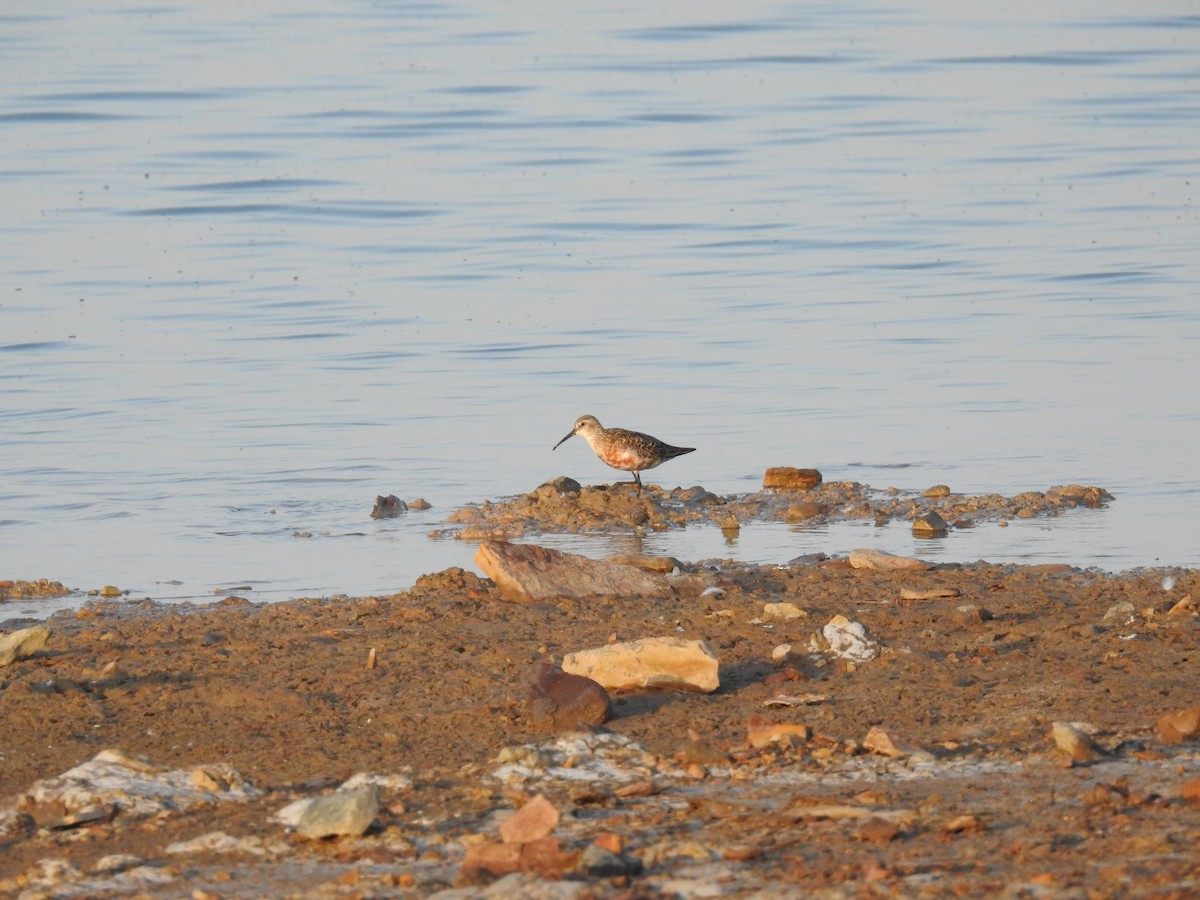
x,y
570,434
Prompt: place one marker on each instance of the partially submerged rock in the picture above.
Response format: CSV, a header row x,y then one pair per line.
x,y
663,662
879,559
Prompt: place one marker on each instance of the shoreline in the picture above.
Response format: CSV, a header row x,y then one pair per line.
x,y
978,667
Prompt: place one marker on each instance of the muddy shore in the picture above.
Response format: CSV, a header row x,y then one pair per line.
x,y
980,670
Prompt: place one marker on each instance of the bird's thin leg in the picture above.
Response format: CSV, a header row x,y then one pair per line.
x,y
637,479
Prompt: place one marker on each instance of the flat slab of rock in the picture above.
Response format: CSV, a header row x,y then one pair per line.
x,y
878,559
663,662
788,478
527,573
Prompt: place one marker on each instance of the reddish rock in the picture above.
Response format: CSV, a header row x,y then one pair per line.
x,y
787,478
527,573
761,733
1180,725
532,822
559,701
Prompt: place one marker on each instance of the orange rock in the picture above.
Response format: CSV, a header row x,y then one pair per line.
x,y
787,478
531,822
761,733
1179,725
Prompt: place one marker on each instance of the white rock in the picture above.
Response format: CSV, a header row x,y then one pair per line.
x,y
662,662
845,639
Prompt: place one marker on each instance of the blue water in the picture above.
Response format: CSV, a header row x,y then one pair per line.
x,y
262,262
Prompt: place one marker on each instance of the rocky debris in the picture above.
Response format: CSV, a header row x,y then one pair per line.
x,y
600,862
526,573
788,495
866,558
845,639
22,644
342,813
526,845
1075,742
786,478
559,701
1180,725
970,614
665,663
42,588
135,787
388,507
930,524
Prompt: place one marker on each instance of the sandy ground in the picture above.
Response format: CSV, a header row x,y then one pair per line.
x,y
980,801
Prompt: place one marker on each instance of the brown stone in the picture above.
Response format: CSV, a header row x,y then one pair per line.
x,y
1180,725
527,573
558,700
877,830
787,478
1075,742
866,558
882,741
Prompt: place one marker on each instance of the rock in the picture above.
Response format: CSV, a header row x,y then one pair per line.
x,y
1078,495
1123,613
781,652
598,862
783,611
970,614
1075,742
528,573
664,662
562,485
16,826
938,490
340,813
23,643
930,524
136,787
388,507
1190,792
558,700
28,590
419,503
867,558
886,743
532,822
911,594
786,478
805,509
761,733
1180,725
660,565
845,639
877,830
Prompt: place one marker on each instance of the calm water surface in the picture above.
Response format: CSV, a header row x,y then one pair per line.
x,y
261,262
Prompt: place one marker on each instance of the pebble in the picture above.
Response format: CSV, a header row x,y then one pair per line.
x,y
761,733
340,813
598,862
783,611
886,743
969,614
938,490
930,594
532,822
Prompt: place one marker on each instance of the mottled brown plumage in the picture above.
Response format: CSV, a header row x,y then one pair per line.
x,y
629,451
